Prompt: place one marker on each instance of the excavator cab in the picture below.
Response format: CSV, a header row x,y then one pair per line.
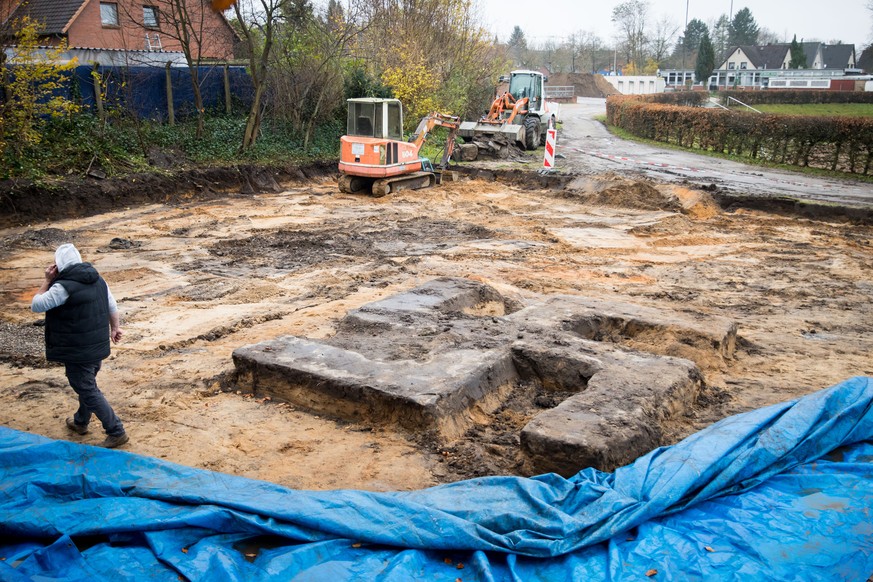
x,y
379,118
526,84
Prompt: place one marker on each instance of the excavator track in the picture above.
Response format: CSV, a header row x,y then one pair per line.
x,y
414,181
354,184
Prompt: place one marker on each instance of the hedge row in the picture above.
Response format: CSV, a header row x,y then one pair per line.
x,y
778,96
688,98
834,143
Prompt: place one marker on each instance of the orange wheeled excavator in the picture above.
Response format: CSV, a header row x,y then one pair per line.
x,y
520,116
374,156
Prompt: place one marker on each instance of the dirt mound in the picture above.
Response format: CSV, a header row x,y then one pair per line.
x,y
585,84
638,195
605,87
43,238
697,204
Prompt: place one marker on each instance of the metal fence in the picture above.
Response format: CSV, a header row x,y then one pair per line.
x,y
559,92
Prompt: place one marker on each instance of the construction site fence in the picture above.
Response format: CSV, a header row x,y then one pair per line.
x,y
159,93
842,144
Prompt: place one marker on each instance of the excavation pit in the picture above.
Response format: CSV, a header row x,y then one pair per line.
x,y
447,357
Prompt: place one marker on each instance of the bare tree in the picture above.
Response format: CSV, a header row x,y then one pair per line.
x,y
439,44
584,45
257,22
551,56
306,79
661,42
767,36
193,27
630,18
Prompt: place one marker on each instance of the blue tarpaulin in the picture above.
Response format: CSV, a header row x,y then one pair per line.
x,y
780,493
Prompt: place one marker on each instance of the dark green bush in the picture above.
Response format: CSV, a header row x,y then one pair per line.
x,y
122,144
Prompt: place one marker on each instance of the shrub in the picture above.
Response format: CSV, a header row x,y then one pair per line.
x,y
834,143
778,96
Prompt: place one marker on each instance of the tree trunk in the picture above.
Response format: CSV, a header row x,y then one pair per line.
x,y
198,98
253,124
312,119
98,92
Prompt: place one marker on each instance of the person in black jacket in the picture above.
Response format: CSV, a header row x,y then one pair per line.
x,y
81,316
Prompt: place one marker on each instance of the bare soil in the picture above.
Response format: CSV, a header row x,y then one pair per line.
x,y
586,84
196,278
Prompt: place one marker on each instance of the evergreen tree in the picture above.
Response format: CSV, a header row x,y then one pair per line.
x,y
705,60
298,12
335,15
517,45
743,29
720,33
690,39
865,61
517,39
798,57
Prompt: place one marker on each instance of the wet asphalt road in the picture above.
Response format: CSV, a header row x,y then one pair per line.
x,y
590,149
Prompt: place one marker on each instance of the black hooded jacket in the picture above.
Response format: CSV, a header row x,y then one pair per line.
x,y
78,331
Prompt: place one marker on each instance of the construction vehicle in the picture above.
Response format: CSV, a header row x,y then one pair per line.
x,y
519,116
374,156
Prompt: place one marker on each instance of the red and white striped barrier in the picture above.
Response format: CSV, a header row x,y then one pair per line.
x,y
551,140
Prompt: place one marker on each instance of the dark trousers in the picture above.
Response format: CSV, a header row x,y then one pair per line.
x,y
83,379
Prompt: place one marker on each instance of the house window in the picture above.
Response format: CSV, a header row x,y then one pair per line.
x,y
150,17
109,14
732,66
744,65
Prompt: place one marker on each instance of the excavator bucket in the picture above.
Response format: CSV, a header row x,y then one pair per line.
x,y
473,129
491,138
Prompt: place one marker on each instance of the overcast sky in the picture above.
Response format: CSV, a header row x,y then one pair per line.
x,y
825,20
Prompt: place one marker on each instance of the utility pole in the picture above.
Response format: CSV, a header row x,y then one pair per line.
x,y
685,40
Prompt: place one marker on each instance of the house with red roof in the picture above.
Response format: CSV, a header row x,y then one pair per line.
x,y
120,32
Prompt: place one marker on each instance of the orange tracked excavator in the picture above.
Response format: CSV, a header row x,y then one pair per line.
x,y
374,156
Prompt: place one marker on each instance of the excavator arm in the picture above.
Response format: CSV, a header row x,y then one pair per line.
x,y
428,123
505,102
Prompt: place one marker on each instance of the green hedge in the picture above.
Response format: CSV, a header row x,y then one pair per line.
x,y
834,143
779,96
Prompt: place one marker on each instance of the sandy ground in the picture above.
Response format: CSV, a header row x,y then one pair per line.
x,y
195,281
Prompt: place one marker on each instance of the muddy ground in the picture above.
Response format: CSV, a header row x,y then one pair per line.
x,y
196,279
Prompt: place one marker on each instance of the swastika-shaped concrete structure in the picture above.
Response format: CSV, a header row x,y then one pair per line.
x,y
425,358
